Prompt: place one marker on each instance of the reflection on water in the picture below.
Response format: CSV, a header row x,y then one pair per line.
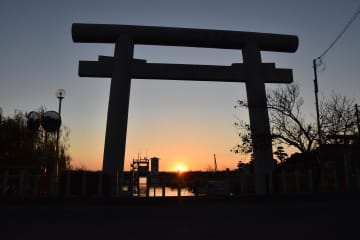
x,y
158,191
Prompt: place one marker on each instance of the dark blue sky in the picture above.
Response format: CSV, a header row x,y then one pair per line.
x,y
181,122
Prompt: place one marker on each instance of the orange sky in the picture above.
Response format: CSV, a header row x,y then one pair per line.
x,y
180,131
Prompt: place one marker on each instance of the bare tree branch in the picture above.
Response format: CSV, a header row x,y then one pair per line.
x,y
289,126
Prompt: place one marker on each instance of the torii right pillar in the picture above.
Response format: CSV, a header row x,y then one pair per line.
x,y
259,118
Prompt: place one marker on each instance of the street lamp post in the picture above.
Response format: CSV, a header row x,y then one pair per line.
x,y
60,94
50,121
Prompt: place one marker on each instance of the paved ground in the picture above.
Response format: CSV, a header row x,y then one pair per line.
x,y
287,217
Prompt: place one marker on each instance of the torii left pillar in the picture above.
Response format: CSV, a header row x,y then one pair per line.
x,y
117,117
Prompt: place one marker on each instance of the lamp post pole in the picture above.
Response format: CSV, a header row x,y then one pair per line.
x,y
60,94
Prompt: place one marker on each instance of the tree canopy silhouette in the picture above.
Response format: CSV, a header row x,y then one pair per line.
x,y
23,147
290,127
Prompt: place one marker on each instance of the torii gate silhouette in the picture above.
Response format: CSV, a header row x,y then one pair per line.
x,y
122,67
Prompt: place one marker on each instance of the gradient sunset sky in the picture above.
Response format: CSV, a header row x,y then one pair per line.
x,y
182,123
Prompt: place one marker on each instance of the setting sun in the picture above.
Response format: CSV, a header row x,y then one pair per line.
x,y
180,168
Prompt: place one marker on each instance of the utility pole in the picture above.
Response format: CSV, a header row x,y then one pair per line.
x,y
215,169
316,88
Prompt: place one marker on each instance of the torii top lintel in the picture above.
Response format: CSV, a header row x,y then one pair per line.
x,y
184,37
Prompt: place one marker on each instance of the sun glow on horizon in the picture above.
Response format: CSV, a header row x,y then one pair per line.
x,y
180,168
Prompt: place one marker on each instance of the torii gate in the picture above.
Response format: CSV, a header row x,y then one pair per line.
x,y
122,67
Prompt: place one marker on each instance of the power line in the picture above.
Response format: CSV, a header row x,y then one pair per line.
x,y
348,24
318,61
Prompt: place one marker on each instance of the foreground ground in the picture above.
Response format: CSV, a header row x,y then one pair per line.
x,y
285,217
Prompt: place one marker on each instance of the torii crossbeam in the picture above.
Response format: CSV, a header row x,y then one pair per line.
x,y
122,67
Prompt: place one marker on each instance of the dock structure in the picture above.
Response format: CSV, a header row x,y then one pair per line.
x,y
122,67
140,170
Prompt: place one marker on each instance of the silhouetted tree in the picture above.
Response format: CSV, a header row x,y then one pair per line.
x,y
281,154
20,146
240,165
246,167
290,127
245,136
338,117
